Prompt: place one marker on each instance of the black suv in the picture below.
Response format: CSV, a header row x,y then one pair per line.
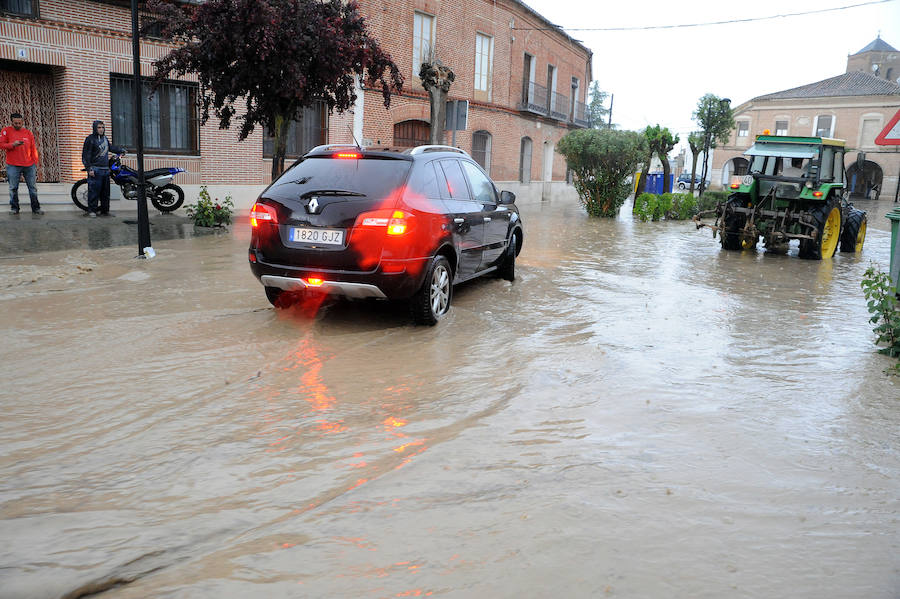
x,y
359,223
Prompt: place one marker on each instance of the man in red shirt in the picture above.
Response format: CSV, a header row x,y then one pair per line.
x,y
21,158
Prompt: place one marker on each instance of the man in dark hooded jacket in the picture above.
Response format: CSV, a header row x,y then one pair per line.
x,y
95,157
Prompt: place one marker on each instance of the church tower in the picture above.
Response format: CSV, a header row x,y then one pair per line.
x,y
879,59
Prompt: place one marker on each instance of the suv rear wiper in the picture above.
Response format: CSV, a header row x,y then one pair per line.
x,y
334,192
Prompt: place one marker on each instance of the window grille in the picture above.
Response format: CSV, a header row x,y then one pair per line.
x,y
169,116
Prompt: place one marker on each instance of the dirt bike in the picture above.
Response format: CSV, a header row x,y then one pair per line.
x,y
162,193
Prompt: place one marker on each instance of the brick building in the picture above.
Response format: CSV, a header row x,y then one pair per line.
x,y
64,63
855,107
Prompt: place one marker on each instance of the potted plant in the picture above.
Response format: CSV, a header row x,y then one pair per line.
x,y
208,212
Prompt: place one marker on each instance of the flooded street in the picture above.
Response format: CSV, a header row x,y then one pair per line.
x,y
640,414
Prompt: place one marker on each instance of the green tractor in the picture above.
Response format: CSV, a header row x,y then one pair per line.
x,y
794,190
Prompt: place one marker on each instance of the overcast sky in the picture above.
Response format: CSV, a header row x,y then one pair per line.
x,y
657,76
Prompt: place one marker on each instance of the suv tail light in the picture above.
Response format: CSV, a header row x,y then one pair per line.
x,y
397,222
260,213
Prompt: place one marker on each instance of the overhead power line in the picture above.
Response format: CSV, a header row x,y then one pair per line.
x,y
686,25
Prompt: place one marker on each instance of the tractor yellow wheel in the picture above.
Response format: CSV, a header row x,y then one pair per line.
x,y
860,238
854,235
827,233
831,232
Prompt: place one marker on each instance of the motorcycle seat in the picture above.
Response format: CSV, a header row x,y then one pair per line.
x,y
155,173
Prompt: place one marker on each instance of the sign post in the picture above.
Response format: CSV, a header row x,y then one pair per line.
x,y
890,136
457,117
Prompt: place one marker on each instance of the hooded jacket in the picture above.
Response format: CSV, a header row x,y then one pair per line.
x,y
95,153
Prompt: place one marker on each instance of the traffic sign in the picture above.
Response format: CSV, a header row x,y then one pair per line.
x,y
890,136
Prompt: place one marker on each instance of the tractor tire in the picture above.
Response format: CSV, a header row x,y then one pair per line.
x,y
854,235
732,223
827,218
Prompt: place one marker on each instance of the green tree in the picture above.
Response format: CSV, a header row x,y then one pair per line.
x,y
602,160
695,141
664,143
263,61
660,141
596,112
716,121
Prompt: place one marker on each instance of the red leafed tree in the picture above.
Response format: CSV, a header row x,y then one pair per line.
x,y
262,61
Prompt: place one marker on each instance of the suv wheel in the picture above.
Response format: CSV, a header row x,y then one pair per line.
x,y
507,268
432,301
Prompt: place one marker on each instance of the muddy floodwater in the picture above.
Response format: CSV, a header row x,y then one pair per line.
x,y
639,414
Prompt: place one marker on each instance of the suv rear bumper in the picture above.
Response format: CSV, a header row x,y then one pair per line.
x,y
357,290
394,279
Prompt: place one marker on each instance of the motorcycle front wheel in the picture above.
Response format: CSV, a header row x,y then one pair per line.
x,y
168,198
80,194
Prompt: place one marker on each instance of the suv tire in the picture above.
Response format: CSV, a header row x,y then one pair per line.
x,y
507,268
432,301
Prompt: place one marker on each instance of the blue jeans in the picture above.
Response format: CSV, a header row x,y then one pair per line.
x,y
98,191
14,172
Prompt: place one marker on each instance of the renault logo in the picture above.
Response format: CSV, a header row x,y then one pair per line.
x,y
313,206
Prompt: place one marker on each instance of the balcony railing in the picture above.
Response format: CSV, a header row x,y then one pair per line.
x,y
534,98
559,106
580,116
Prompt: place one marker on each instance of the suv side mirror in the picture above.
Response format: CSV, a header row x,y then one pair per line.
x,y
507,197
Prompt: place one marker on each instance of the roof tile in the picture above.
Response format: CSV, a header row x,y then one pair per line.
x,y
856,83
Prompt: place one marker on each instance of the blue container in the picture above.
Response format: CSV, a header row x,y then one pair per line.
x,y
657,185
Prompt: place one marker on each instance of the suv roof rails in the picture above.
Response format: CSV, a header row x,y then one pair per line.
x,y
332,147
423,149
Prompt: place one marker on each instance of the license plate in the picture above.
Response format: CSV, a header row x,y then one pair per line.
x,y
323,236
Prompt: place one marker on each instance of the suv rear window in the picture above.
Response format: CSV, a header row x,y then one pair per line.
x,y
372,177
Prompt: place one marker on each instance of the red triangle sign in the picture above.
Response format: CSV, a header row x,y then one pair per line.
x,y
890,136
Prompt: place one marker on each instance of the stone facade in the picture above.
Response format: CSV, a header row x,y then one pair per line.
x,y
83,44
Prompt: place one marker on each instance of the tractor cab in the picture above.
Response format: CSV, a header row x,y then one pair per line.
x,y
791,168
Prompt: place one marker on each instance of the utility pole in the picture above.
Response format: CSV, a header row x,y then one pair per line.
x,y
137,87
611,98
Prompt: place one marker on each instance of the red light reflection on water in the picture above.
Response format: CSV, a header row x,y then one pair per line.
x,y
330,427
314,390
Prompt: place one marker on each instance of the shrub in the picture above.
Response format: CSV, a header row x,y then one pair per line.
x,y
709,199
664,205
684,207
646,206
210,213
602,160
882,305
678,206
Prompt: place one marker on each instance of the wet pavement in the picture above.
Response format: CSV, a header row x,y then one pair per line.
x,y
56,230
639,414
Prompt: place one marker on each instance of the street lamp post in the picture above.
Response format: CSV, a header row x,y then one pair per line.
x,y
144,249
707,139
